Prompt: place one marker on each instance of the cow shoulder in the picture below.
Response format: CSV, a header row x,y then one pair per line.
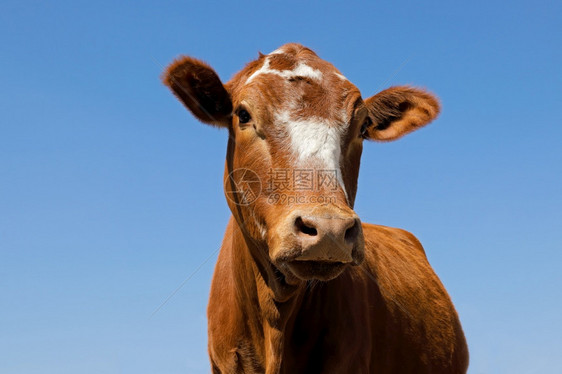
x,y
398,261
393,249
418,309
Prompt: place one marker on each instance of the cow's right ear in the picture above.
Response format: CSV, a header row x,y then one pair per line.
x,y
199,88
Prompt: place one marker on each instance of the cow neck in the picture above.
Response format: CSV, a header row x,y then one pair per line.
x,y
277,301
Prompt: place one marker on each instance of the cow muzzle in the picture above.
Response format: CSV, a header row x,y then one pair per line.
x,y
319,244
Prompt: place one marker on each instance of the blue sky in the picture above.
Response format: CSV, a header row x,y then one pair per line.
x,y
111,193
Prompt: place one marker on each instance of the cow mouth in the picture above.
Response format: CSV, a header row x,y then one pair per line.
x,y
319,270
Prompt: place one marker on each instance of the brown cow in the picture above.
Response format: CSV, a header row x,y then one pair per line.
x,y
301,285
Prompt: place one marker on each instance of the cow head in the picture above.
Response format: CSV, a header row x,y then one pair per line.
x,y
296,130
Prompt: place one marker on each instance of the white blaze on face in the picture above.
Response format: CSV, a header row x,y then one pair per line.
x,y
314,141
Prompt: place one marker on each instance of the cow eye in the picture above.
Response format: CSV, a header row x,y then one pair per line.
x,y
364,127
244,116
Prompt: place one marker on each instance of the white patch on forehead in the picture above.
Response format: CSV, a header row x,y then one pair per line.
x,y
343,78
301,70
315,141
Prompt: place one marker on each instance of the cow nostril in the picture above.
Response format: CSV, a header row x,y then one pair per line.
x,y
304,228
352,233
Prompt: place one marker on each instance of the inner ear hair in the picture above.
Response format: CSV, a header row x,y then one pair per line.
x,y
397,111
389,108
392,114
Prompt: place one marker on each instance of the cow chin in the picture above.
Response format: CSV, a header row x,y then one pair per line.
x,y
316,270
295,270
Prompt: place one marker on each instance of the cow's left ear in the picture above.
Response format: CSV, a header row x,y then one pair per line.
x,y
398,111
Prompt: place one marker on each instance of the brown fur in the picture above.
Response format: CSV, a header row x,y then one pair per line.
x,y
387,312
